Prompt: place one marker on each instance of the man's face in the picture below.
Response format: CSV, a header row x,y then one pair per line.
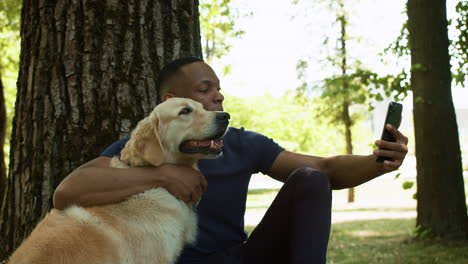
x,y
199,82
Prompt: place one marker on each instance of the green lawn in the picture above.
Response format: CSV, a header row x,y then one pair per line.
x,y
377,228
389,241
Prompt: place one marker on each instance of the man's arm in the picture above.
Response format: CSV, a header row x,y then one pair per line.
x,y
345,171
96,183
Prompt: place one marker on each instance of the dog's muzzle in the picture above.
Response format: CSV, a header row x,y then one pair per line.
x,y
212,144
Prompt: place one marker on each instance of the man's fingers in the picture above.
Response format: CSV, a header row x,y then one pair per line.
x,y
204,184
395,155
393,150
395,146
199,193
186,184
392,165
186,197
397,134
192,198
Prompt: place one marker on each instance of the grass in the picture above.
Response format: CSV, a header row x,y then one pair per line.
x,y
377,228
389,241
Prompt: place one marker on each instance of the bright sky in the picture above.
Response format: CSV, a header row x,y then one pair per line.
x,y
264,59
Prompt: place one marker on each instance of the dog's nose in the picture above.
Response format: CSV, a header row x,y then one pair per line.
x,y
223,116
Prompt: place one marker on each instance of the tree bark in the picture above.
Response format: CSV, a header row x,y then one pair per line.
x,y
349,144
87,75
441,197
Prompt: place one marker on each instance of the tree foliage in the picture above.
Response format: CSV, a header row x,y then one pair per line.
x,y
9,32
363,86
295,122
457,49
9,59
217,25
9,40
459,46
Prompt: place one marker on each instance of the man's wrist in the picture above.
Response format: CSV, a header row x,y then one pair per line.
x,y
160,175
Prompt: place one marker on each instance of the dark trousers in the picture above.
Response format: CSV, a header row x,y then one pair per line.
x,y
295,229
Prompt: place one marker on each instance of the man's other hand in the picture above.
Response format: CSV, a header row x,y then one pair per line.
x,y
183,182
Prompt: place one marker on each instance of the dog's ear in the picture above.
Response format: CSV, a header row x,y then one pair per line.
x,y
144,147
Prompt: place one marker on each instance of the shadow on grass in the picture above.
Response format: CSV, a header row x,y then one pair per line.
x,y
388,241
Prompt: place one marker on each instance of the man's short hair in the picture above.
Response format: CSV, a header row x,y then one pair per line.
x,y
170,70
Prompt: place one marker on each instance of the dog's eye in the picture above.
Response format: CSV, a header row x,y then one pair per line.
x,y
186,110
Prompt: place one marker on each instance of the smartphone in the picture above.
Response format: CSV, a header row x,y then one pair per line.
x,y
393,118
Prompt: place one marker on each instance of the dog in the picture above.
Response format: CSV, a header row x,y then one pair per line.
x,y
150,227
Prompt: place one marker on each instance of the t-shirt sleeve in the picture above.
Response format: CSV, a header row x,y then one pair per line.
x,y
263,149
115,148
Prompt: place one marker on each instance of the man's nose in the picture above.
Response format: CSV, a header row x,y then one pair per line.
x,y
218,97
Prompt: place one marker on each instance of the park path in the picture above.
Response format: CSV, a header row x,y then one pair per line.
x,y
252,218
338,217
381,198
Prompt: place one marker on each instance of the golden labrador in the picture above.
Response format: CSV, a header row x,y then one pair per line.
x,y
150,227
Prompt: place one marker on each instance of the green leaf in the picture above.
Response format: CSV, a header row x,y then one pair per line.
x,y
407,185
379,97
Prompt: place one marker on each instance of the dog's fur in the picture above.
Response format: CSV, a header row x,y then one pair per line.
x,y
150,227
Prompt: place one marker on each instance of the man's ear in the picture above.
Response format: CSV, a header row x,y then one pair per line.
x,y
167,96
144,147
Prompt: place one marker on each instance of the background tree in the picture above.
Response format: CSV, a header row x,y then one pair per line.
x,y
336,90
441,197
87,75
9,56
353,88
345,88
457,49
217,23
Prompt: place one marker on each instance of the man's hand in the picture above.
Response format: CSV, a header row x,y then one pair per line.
x,y
183,182
394,150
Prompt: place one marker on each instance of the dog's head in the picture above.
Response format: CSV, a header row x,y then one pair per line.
x,y
178,131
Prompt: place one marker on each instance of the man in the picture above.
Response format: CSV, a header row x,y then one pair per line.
x,y
295,228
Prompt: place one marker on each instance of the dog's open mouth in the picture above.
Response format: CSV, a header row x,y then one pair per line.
x,y
210,146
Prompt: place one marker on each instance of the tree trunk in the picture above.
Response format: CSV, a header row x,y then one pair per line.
x,y
346,118
349,143
3,123
441,197
87,75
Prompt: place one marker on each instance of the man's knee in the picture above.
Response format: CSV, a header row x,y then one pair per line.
x,y
310,180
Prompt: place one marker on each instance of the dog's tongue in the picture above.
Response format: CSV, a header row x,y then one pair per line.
x,y
214,144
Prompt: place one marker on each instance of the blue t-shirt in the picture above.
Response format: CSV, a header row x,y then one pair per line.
x,y
222,207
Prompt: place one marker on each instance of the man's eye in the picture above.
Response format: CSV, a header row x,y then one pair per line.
x,y
186,110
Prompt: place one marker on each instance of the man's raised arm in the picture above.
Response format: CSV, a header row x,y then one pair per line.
x,y
346,171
